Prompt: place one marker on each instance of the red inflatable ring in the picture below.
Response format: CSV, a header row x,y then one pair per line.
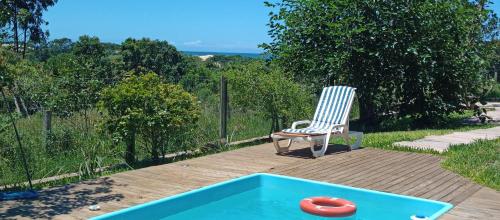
x,y
328,207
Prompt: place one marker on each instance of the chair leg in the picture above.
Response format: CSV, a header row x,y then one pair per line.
x,y
279,148
321,152
347,140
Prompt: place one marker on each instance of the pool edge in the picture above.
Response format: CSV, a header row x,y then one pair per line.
x,y
446,206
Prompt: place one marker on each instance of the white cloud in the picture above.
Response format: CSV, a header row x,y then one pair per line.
x,y
193,43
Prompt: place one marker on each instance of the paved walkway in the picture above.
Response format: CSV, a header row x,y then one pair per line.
x,y
441,143
414,174
496,113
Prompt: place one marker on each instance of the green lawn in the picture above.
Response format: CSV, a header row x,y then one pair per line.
x,y
479,161
385,140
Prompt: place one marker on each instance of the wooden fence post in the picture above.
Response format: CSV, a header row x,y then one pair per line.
x,y
223,110
47,126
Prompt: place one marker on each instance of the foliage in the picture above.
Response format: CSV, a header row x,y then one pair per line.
x,y
52,48
70,83
145,105
7,59
67,86
200,79
89,48
64,154
493,56
417,58
494,93
22,21
156,56
269,90
479,161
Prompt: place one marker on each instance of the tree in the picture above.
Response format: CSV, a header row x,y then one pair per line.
x,y
13,67
51,49
269,90
147,55
68,86
144,105
419,58
22,22
200,79
5,78
89,48
25,21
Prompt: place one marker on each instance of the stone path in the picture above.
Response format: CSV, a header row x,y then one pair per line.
x,y
496,113
441,143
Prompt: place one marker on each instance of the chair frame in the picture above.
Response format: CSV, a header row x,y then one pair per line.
x,y
314,139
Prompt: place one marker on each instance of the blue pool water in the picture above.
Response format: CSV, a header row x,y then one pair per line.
x,y
267,196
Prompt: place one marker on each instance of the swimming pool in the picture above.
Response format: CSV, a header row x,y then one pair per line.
x,y
267,196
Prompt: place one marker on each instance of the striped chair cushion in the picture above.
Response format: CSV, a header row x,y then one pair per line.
x,y
333,109
311,130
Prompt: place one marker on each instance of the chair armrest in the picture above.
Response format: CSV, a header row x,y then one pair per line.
x,y
339,126
294,125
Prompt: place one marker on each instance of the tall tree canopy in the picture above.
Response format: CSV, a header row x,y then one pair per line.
x,y
421,58
146,55
22,21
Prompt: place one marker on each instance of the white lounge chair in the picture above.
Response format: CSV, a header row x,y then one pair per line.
x,y
331,118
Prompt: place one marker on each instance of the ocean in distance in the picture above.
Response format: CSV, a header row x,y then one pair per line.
x,y
198,53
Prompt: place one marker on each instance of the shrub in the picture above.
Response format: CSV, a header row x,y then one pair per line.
x,y
269,90
146,106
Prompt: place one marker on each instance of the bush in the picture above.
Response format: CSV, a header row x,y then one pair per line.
x,y
267,89
494,93
146,106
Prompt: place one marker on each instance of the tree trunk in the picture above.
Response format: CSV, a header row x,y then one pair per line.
x,y
18,100
14,30
17,104
130,151
25,112
24,43
367,115
155,154
47,126
87,120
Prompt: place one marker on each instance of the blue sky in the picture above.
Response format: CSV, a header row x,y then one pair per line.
x,y
191,25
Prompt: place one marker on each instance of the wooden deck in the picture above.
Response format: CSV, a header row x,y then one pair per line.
x,y
397,172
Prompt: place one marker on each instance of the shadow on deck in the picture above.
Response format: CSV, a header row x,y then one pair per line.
x,y
397,172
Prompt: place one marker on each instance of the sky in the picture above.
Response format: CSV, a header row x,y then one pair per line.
x,y
495,6
190,25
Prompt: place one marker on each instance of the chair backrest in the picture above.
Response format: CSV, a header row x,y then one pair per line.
x,y
333,106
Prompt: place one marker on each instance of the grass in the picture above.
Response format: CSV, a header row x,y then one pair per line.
x,y
479,161
74,148
385,140
401,130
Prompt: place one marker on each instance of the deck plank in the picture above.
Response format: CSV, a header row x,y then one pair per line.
x,y
397,172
